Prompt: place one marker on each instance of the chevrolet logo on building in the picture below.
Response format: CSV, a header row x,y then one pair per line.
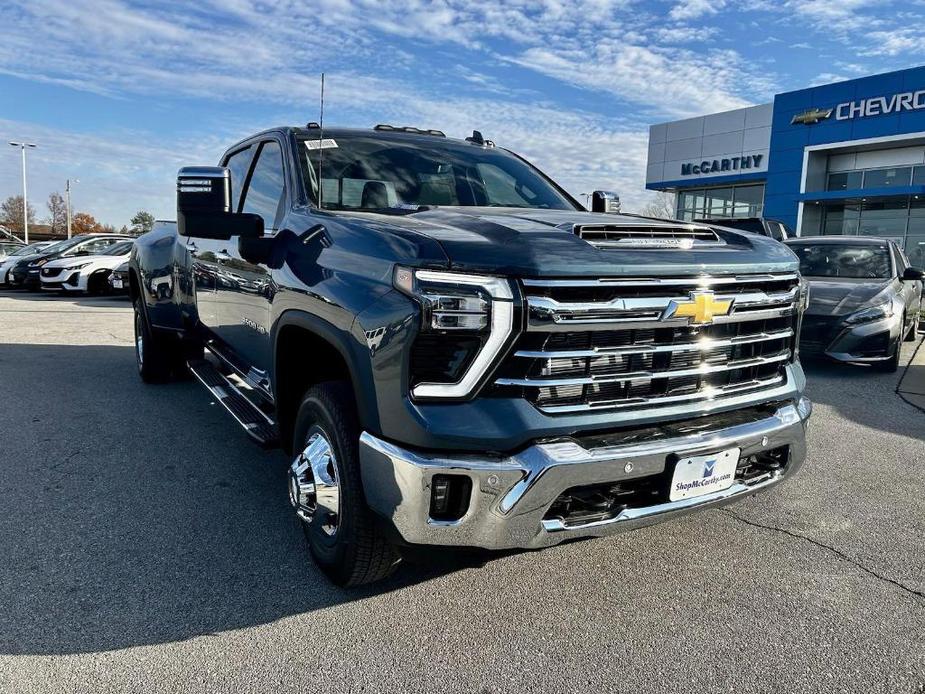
x,y
812,116
701,309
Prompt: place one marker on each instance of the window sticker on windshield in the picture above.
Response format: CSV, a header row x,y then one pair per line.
x,y
326,143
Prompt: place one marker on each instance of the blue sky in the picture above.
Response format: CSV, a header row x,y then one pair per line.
x,y
121,94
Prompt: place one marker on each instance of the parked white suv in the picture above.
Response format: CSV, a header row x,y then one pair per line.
x,y
85,273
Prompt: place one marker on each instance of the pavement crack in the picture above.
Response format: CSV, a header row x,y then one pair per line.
x,y
833,550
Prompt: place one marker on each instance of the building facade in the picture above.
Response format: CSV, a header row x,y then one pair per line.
x,y
843,158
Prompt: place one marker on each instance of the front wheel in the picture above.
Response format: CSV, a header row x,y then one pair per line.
x,y
327,493
913,333
891,365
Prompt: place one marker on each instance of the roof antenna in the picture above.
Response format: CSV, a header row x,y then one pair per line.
x,y
321,149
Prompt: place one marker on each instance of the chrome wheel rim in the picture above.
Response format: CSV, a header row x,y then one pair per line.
x,y
313,487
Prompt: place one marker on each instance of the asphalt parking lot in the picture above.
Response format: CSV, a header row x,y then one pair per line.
x,y
147,546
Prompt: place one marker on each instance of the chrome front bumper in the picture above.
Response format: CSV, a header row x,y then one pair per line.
x,y
511,495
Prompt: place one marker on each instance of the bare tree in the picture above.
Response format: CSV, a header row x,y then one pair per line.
x,y
11,214
57,218
661,206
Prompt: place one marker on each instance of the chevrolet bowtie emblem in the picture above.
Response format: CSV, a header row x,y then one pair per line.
x,y
701,308
812,116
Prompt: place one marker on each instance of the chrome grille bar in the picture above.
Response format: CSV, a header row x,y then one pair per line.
x,y
701,370
706,394
701,346
549,314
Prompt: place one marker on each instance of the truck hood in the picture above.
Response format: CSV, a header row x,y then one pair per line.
x,y
537,243
841,296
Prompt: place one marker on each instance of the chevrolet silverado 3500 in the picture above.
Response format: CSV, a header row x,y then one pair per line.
x,y
453,351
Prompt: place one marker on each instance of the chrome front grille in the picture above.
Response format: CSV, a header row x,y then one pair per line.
x,y
599,344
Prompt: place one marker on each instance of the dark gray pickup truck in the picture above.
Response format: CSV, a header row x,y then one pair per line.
x,y
454,352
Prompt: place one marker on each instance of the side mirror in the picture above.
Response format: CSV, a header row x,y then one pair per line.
x,y
912,274
605,201
204,206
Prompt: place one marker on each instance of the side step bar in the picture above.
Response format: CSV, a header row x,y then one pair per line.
x,y
257,424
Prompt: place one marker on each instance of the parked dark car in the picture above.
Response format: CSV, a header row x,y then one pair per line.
x,y
20,254
26,273
757,225
118,280
864,299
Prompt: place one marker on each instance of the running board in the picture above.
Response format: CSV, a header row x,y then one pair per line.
x,y
257,424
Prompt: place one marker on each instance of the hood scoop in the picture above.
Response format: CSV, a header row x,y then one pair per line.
x,y
647,235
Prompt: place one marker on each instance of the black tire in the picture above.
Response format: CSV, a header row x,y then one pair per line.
x,y
158,357
891,365
913,333
97,283
357,552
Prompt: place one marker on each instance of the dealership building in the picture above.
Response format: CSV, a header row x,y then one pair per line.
x,y
842,158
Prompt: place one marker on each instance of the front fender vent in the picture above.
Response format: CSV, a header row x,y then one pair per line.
x,y
634,235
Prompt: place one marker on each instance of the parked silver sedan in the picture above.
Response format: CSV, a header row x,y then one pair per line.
x,y
864,299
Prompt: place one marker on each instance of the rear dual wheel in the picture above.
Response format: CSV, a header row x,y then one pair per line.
x,y
160,357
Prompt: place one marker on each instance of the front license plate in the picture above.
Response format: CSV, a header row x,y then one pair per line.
x,y
703,474
117,283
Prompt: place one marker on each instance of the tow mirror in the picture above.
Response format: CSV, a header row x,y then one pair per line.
x,y
204,206
913,273
605,201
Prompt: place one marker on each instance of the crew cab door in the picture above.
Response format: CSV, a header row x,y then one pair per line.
x,y
206,254
244,290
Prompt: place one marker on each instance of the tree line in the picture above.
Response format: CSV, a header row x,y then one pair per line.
x,y
11,217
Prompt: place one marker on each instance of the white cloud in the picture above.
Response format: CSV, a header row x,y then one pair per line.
x,y
692,9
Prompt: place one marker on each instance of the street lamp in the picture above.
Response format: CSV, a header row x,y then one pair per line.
x,y
25,199
67,194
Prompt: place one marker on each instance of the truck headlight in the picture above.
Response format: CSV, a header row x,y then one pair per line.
x,y
872,313
466,320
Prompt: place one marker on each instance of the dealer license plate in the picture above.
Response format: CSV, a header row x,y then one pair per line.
x,y
704,474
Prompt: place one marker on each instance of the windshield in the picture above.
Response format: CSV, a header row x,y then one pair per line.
x,y
61,245
28,250
123,248
866,261
365,172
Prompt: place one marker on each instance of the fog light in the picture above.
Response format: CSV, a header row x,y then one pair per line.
x,y
449,497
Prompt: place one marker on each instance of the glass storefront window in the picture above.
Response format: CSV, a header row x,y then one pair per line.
x,y
748,201
915,250
718,203
884,218
848,180
883,178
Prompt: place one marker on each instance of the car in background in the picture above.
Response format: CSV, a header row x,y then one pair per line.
x,y
8,247
85,273
19,254
25,273
757,225
864,299
118,279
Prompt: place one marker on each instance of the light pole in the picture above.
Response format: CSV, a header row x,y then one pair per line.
x,y
67,195
25,200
